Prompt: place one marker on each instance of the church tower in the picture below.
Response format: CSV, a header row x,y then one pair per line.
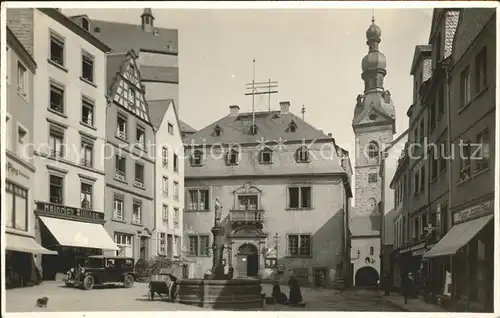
x,y
374,126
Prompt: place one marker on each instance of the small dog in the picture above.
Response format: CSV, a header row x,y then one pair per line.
x,y
42,302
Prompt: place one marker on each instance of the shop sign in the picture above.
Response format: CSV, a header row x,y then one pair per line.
x,y
473,212
15,171
57,209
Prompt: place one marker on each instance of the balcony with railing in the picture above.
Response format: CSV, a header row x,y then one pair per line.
x,y
247,216
120,175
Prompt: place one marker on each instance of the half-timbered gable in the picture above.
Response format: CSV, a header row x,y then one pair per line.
x,y
127,90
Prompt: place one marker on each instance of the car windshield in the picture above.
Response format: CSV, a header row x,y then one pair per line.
x,y
93,262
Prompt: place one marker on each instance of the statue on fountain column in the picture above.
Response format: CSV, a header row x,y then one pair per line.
x,y
218,211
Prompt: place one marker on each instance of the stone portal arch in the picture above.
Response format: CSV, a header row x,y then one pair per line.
x,y
247,260
248,249
366,276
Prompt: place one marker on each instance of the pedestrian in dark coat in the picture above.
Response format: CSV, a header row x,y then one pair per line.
x,y
295,293
408,286
278,295
386,284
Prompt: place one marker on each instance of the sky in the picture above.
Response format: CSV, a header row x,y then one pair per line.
x,y
314,55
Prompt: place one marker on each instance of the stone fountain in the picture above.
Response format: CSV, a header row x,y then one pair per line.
x,y
218,290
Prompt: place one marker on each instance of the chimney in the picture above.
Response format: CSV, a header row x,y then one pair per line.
x,y
234,110
284,107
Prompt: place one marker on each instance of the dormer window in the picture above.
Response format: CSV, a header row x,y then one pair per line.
x,y
197,158
217,131
292,127
85,24
232,157
253,129
302,154
266,156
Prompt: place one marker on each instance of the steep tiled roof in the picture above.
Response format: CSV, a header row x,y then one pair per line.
x,y
160,73
186,128
157,110
471,23
122,37
271,125
114,66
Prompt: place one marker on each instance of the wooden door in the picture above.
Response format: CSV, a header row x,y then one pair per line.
x,y
241,265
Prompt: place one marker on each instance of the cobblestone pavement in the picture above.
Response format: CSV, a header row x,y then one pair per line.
x,y
333,300
135,299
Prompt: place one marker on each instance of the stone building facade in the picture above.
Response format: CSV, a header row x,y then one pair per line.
x,y
130,160
68,136
285,201
472,123
169,180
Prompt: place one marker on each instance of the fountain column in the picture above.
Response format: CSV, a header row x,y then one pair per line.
x,y
218,244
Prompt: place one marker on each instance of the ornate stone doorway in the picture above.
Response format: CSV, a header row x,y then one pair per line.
x,y
247,260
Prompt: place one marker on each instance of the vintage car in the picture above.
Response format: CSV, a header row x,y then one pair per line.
x,y
102,270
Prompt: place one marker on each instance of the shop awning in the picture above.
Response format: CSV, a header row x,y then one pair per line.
x,y
458,236
79,234
25,244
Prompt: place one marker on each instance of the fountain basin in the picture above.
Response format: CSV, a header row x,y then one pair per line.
x,y
237,294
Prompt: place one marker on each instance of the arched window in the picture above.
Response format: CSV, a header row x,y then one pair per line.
x,y
373,150
197,158
266,156
371,250
85,24
302,154
232,157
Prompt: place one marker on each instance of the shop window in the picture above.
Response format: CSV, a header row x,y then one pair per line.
x,y
16,206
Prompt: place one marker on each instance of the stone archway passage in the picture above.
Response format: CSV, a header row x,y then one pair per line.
x,y
366,276
247,260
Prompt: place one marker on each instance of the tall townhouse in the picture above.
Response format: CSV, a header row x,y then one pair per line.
x,y
389,198
434,96
410,255
157,49
283,187
68,136
400,184
21,248
468,245
130,160
169,180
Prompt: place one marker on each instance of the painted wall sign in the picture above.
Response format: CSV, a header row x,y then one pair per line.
x,y
69,211
14,171
472,212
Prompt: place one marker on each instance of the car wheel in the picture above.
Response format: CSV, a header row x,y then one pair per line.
x,y
88,282
128,281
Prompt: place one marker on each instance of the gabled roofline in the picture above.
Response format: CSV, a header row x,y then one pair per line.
x,y
24,55
421,52
68,23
